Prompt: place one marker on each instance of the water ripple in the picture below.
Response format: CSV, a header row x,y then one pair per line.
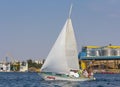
x,y
34,80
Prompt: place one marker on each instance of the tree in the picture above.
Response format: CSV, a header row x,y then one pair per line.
x,y
33,64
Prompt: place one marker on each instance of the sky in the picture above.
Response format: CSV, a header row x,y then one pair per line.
x,y
29,28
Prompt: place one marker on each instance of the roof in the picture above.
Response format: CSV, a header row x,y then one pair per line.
x,y
101,58
92,46
113,47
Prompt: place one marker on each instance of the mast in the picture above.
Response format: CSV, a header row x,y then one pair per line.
x,y
70,11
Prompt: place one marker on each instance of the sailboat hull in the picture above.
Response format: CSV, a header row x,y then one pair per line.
x,y
64,78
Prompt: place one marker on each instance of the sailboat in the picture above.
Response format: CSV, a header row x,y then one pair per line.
x,y
63,59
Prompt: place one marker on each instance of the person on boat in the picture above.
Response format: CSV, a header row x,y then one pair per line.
x,y
90,73
85,73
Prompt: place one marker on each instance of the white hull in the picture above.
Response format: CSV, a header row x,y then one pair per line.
x,y
54,77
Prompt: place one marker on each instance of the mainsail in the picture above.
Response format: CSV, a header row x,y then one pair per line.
x,y
63,55
71,47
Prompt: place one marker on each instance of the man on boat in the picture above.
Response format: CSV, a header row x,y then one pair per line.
x,y
85,73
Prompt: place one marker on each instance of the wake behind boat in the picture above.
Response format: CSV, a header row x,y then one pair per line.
x,y
62,62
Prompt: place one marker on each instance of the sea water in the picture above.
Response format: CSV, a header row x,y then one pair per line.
x,y
17,79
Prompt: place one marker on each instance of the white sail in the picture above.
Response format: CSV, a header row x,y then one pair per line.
x,y
63,56
71,47
56,60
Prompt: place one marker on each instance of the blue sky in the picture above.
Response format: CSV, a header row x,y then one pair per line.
x,y
28,28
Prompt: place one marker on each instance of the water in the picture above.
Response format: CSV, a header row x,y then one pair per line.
x,y
33,80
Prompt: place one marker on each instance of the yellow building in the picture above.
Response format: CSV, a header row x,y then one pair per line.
x,y
101,58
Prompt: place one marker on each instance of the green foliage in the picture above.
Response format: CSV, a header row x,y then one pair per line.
x,y
15,67
33,64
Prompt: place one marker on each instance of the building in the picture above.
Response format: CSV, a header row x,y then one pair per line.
x,y
23,66
101,58
39,61
4,67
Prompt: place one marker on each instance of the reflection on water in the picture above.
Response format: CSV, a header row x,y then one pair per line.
x,y
60,84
